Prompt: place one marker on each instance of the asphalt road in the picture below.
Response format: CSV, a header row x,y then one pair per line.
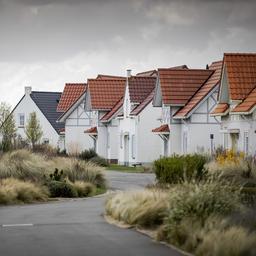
x,y
74,227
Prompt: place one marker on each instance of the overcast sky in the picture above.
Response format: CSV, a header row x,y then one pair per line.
x,y
45,43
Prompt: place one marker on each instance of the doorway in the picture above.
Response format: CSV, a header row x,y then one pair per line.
x,y
234,141
126,150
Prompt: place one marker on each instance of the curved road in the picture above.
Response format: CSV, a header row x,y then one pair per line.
x,y
75,227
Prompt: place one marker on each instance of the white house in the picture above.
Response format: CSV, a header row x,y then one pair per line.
x,y
73,115
45,106
136,117
187,97
237,102
101,98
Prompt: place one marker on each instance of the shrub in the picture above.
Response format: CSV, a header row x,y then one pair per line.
x,y
16,191
144,208
57,176
87,154
46,150
239,171
232,241
61,189
24,165
87,172
202,200
84,188
177,168
99,161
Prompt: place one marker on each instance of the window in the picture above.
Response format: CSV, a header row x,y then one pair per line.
x,y
21,120
121,140
108,139
133,146
246,143
225,140
185,143
45,141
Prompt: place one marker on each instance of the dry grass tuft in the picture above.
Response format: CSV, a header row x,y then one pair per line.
x,y
143,208
15,191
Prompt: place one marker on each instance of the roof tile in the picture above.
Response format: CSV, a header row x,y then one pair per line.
x,y
69,96
210,84
179,85
162,129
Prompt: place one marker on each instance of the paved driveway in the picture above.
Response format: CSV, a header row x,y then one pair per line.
x,y
74,227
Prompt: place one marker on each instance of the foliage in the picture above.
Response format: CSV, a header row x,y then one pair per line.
x,y
229,156
178,168
24,165
87,154
143,208
84,188
240,170
61,189
33,129
57,176
87,172
17,191
7,127
99,161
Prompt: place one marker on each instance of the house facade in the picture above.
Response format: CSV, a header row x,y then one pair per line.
x,y
237,102
187,97
44,104
74,117
137,145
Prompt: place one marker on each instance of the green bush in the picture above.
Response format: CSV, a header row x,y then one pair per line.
x,y
61,189
178,168
87,154
99,161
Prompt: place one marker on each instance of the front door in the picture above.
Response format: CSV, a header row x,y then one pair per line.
x,y
234,140
126,150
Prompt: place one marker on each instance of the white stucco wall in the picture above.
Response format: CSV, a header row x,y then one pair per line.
x,y
149,145
27,106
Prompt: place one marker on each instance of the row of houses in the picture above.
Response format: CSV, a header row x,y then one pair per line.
x,y
139,118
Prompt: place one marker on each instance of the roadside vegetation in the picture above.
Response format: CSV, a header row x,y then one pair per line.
x,y
202,205
129,169
26,176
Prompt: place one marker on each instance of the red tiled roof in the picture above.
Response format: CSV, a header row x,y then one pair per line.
x,y
179,85
210,84
143,104
153,72
70,94
92,130
105,77
241,74
105,93
113,111
162,129
220,109
140,88
248,104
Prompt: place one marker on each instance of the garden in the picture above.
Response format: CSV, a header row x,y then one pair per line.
x,y
202,205
27,176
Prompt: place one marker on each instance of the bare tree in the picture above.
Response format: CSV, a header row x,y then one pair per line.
x,y
7,126
33,129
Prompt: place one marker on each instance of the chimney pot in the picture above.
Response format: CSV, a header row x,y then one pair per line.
x,y
129,72
28,90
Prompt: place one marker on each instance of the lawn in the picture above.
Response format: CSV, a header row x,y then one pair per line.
x,y
129,169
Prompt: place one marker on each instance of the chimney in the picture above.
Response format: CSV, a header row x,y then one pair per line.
x,y
128,73
28,90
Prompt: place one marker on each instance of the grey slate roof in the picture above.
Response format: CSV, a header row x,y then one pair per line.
x,y
47,102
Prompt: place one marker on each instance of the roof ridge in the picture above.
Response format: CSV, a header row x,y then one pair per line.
x,y
45,92
240,53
